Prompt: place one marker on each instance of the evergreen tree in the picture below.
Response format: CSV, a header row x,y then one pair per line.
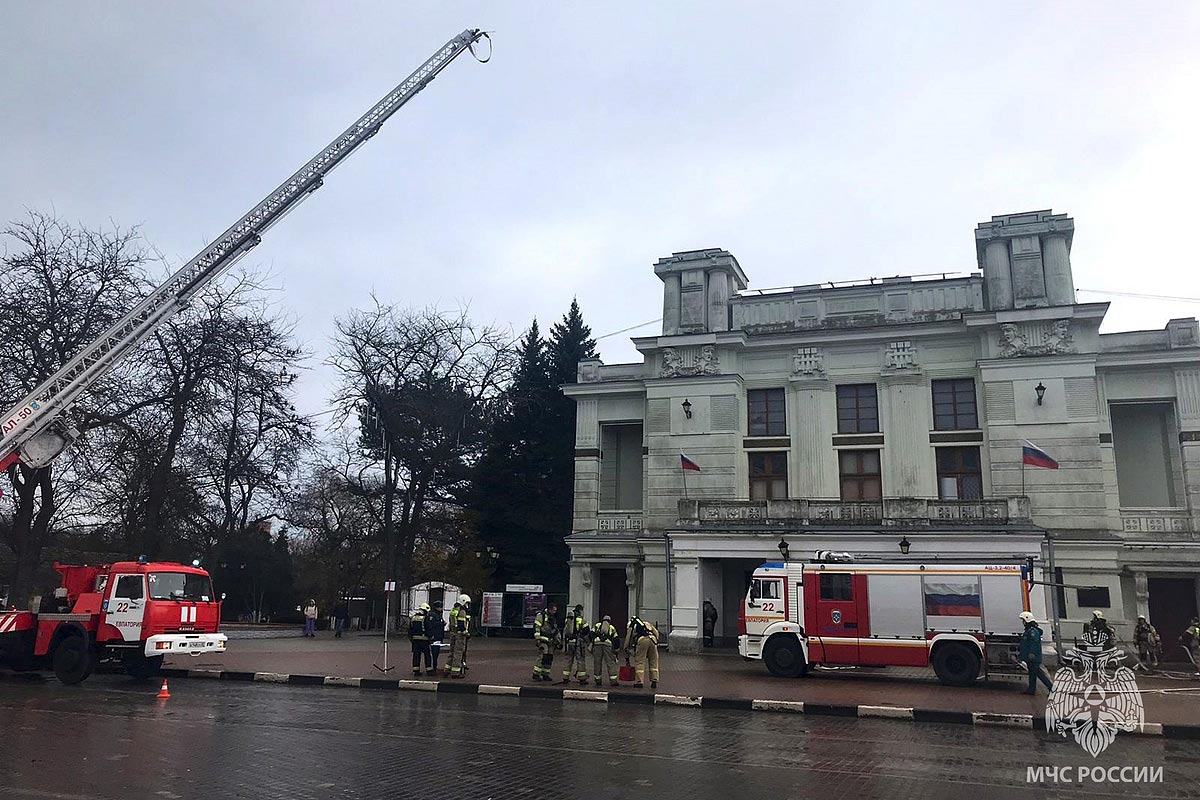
x,y
570,342
511,500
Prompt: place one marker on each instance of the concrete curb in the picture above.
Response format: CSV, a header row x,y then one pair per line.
x,y
940,716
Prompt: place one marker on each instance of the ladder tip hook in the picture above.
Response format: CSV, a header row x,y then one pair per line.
x,y
478,35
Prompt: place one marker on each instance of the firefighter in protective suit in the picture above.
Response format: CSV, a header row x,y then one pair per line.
x,y
604,651
641,638
545,633
575,641
460,632
419,636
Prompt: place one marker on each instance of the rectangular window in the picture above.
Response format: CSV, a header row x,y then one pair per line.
x,y
861,479
836,586
1145,443
129,587
768,476
858,408
954,405
1060,594
767,412
621,467
958,472
1095,597
764,589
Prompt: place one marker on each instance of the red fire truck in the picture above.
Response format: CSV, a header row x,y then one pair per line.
x,y
961,619
132,612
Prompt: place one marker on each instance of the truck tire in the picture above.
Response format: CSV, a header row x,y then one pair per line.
x,y
72,659
956,663
784,657
141,667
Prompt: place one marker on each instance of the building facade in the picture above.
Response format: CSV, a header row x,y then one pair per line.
x,y
890,414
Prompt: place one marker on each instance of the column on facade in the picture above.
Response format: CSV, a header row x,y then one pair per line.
x,y
1187,393
587,464
907,458
718,301
996,274
671,304
1141,593
685,608
1056,260
813,459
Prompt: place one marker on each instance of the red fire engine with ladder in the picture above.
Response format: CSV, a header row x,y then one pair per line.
x,y
99,617
961,619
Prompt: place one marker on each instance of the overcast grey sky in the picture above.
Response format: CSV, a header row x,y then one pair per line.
x,y
814,141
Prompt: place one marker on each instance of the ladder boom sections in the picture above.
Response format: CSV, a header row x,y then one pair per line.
x,y
49,400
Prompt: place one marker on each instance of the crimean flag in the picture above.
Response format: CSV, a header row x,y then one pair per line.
x,y
1035,456
687,464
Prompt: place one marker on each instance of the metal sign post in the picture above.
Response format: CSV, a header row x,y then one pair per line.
x,y
388,588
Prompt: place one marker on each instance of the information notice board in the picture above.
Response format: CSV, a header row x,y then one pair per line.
x,y
493,610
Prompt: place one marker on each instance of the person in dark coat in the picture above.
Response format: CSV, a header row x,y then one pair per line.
x,y
341,613
1031,653
710,622
435,629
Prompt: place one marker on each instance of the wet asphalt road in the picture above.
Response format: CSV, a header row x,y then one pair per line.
x,y
109,738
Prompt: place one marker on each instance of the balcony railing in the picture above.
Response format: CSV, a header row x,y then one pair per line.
x,y
1156,520
619,521
904,511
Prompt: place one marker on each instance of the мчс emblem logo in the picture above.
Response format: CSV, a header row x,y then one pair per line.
x,y
1094,696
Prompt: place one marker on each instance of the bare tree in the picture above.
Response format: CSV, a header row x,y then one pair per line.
x,y
420,384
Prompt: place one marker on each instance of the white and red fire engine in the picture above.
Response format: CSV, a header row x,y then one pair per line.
x,y
961,619
132,612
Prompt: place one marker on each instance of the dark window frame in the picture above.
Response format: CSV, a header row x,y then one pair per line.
x,y
130,580
841,590
1094,593
767,475
770,405
860,476
853,399
968,478
955,405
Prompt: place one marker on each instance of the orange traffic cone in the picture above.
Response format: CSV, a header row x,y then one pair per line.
x,y
163,693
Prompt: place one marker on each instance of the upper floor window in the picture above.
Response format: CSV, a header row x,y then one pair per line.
x,y
860,475
768,476
954,405
767,412
858,408
620,467
959,474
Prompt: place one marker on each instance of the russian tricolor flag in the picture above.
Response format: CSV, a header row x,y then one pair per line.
x,y
1035,456
687,464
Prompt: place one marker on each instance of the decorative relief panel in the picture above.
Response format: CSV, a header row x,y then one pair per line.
x,y
683,361
1036,338
621,522
808,362
900,355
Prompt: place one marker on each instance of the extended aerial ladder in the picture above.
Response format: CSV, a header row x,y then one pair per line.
x,y
37,430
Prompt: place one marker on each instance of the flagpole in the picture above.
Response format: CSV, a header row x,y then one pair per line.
x,y
685,472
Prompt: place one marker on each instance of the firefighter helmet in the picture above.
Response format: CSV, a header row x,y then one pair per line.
x,y
425,606
465,599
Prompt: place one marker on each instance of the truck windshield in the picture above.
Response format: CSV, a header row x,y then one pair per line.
x,y
180,586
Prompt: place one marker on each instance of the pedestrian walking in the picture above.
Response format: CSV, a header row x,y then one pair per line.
x,y
1031,653
341,613
604,651
545,634
575,641
1148,643
710,622
460,633
641,638
310,618
435,627
418,634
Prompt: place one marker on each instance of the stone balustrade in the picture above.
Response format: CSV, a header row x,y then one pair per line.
x,y
900,511
1156,520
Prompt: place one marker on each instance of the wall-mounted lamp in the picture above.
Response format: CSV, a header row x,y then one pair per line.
x,y
905,544
687,408
1041,392
784,550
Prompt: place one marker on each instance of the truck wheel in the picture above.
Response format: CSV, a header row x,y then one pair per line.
x,y
784,657
956,663
72,660
140,667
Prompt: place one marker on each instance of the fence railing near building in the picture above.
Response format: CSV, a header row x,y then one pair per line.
x,y
1156,520
904,511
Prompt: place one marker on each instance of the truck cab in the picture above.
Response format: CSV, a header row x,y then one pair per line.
x,y
131,612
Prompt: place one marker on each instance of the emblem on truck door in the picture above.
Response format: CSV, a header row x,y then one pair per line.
x,y
837,616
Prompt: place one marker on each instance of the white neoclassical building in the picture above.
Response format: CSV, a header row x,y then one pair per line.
x,y
857,416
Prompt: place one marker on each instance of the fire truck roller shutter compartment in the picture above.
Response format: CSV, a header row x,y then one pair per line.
x,y
1003,601
897,624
